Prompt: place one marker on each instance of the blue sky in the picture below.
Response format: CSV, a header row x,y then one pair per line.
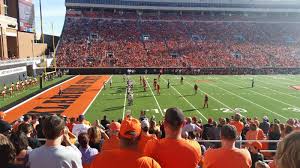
x,y
53,12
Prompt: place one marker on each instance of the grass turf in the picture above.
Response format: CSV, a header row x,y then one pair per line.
x,y
272,96
20,94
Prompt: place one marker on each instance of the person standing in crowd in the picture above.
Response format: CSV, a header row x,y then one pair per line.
x,y
228,155
5,127
205,104
239,127
104,122
145,136
7,153
254,150
27,129
174,151
95,137
190,126
265,125
127,155
53,154
113,142
288,155
80,127
255,133
20,142
87,152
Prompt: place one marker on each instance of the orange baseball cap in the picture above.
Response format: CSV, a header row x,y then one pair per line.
x,y
130,128
2,114
115,126
257,145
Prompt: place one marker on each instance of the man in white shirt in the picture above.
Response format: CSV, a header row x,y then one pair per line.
x,y
190,127
80,127
53,154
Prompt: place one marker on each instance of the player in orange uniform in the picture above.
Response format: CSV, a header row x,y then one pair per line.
x,y
158,89
154,83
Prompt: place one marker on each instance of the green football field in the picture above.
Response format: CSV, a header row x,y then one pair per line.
x,y
272,96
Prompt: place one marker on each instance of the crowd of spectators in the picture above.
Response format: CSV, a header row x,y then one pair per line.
x,y
128,39
178,141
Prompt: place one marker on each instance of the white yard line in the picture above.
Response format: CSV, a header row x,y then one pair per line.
x,y
124,106
270,88
187,101
7,111
95,97
262,95
277,90
249,101
155,98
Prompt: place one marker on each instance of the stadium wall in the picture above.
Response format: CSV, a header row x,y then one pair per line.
x,y
27,47
12,73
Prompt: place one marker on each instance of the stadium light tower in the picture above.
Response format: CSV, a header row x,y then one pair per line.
x,y
41,20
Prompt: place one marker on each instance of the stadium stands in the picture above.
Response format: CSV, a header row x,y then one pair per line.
x,y
126,39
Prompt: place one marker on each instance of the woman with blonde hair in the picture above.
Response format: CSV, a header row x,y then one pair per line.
x,y
288,151
95,135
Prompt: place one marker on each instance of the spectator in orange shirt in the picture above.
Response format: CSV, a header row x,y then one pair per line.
x,y
145,136
228,156
113,142
127,155
173,151
255,133
288,155
239,128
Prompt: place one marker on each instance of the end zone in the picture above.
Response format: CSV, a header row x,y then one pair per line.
x,y
77,95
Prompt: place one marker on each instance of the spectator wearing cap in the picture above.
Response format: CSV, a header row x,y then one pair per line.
x,y
145,136
265,125
239,127
173,151
5,127
228,155
80,127
127,155
254,149
87,152
53,154
114,141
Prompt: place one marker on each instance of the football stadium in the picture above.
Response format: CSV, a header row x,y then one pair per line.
x,y
150,84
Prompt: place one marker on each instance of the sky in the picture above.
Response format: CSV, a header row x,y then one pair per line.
x,y
53,13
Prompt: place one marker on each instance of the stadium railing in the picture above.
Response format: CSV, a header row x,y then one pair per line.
x,y
18,61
